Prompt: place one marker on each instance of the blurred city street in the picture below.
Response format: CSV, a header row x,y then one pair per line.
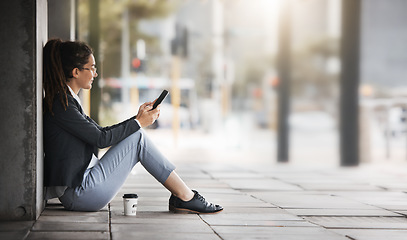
x,y
314,141
292,115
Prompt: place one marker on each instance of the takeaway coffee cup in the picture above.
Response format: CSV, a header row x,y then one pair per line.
x,y
130,204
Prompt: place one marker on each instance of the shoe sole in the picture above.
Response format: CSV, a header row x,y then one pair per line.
x,y
188,211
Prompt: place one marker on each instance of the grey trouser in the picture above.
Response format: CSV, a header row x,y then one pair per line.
x,y
102,182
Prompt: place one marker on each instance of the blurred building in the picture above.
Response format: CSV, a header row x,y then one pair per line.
x,y
384,43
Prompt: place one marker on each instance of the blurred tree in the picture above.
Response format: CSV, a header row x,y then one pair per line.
x,y
251,74
316,71
111,27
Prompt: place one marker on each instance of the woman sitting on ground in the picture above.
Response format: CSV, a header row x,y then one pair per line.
x,y
73,172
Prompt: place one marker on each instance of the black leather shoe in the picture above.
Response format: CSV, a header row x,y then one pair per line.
x,y
197,204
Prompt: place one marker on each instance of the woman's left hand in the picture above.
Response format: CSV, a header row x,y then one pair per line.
x,y
146,116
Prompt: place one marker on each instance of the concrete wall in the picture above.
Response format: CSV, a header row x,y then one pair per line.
x,y
23,25
24,32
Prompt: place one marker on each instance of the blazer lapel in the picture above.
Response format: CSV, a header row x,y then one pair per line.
x,y
78,105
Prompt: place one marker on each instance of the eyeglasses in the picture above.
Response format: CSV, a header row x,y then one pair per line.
x,y
92,69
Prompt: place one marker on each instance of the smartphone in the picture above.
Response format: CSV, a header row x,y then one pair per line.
x,y
160,99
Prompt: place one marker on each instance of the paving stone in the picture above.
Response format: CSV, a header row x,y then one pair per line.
x,y
238,209
160,236
42,226
15,225
218,167
309,177
250,214
68,235
116,216
205,183
260,184
280,171
14,235
397,206
343,212
77,219
402,212
241,200
259,223
260,204
236,175
391,200
226,200
373,234
15,229
373,197
63,212
56,205
393,185
277,233
198,174
217,191
338,187
360,222
190,228
310,200
157,220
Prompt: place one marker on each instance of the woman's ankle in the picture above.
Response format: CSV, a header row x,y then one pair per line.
x,y
187,196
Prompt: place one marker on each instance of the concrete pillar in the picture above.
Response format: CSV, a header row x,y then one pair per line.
x,y
349,83
94,40
284,74
23,25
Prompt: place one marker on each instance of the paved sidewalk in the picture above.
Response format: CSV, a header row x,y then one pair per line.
x,y
261,202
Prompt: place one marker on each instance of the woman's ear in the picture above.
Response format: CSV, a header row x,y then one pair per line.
x,y
75,72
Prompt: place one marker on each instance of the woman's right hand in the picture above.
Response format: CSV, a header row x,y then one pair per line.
x,y
147,117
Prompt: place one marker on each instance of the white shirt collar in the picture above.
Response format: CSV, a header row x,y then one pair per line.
x,y
74,95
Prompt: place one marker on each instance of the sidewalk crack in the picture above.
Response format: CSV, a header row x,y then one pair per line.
x,y
110,221
210,227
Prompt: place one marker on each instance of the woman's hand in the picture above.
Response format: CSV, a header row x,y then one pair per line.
x,y
147,117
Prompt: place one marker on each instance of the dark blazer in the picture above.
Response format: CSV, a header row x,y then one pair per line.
x,y
70,139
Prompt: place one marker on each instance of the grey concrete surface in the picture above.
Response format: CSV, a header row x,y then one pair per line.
x,y
270,203
23,33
